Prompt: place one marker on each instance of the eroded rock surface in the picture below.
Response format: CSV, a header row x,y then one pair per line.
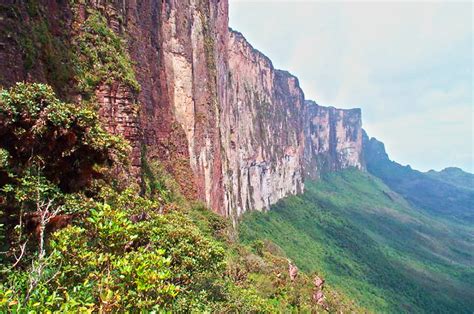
x,y
262,131
234,131
333,139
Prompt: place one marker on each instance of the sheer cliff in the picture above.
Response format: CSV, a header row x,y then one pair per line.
x,y
262,130
333,139
185,90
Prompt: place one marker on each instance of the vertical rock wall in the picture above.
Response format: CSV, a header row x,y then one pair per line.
x,y
262,130
175,45
232,130
333,139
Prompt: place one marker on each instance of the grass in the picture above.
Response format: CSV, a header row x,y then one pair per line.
x,y
372,245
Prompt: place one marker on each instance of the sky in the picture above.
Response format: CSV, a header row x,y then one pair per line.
x,y
408,65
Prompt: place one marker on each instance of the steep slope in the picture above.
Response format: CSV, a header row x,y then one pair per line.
x,y
440,194
371,244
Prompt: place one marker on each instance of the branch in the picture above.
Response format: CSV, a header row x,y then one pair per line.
x,y
22,251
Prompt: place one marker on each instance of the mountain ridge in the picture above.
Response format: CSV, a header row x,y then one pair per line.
x,y
430,191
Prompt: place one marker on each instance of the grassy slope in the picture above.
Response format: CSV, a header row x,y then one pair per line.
x,y
372,245
262,270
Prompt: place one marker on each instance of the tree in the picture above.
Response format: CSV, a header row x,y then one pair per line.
x,y
50,151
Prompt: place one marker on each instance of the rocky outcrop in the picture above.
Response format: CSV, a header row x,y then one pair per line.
x,y
318,294
333,139
234,131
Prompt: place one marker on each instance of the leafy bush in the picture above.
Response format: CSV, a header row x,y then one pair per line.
x,y
50,152
66,141
124,255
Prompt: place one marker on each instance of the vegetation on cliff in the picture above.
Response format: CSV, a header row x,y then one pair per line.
x,y
74,238
101,54
74,52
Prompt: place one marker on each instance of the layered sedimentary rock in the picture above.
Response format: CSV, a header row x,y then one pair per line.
x,y
119,112
232,130
179,51
333,139
262,130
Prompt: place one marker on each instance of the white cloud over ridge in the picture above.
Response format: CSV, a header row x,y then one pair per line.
x,y
408,65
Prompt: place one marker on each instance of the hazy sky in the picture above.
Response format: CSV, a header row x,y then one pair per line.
x,y
408,65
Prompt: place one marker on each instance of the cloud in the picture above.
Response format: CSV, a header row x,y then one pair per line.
x,y
408,65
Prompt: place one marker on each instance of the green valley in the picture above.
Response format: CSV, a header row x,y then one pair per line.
x,y
370,243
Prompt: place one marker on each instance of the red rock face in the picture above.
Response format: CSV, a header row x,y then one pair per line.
x,y
333,139
180,49
148,32
19,56
262,131
180,101
232,130
119,113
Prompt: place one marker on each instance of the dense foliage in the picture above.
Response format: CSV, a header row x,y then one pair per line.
x,y
124,255
372,245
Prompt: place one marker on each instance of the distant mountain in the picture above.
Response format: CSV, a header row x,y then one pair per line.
x,y
448,193
454,176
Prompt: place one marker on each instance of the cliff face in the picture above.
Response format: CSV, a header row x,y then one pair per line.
x,y
184,90
333,139
179,49
262,130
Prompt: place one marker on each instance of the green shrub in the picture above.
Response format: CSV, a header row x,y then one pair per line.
x,y
124,255
50,153
65,140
